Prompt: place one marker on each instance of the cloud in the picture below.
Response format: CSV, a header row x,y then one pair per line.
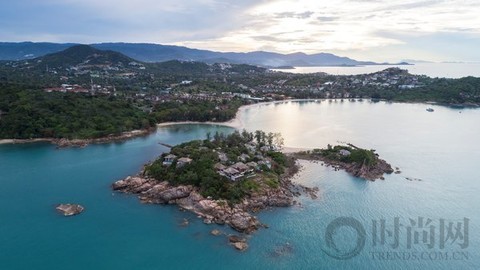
x,y
347,27
148,20
296,15
327,18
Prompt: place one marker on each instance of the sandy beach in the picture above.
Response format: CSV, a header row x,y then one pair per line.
x,y
20,141
234,123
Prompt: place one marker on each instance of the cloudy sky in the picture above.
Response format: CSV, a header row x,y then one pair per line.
x,y
435,30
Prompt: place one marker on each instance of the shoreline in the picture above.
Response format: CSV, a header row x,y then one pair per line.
x,y
63,142
368,171
236,123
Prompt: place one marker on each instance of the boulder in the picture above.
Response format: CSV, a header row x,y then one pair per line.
x,y
156,189
69,209
243,222
216,232
129,184
174,193
238,242
240,246
236,238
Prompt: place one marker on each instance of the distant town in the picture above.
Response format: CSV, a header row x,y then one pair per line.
x,y
129,94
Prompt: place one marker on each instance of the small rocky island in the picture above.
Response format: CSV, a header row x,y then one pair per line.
x,y
356,161
69,209
223,179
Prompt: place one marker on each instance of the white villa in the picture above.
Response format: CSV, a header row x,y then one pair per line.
x,y
168,160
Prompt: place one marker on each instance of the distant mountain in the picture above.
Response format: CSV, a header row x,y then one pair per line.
x,y
85,59
414,61
29,50
160,53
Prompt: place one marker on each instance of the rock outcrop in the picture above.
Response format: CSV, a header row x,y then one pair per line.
x,y
369,172
188,198
216,232
238,242
70,209
63,142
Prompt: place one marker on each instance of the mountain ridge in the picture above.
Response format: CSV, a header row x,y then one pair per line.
x,y
150,52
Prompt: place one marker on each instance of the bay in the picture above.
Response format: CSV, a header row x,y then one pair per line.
x,y
116,231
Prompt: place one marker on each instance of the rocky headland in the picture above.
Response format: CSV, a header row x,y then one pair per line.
x,y
356,161
239,216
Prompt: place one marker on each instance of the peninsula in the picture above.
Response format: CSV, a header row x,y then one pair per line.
x,y
223,179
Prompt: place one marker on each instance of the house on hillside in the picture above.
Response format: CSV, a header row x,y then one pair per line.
x,y
344,152
241,167
219,167
183,161
222,157
169,159
232,173
244,157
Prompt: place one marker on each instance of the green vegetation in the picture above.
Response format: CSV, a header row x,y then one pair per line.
x,y
348,154
26,114
204,155
197,111
447,91
35,114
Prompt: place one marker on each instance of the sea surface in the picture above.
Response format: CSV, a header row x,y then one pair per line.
x,y
445,70
438,152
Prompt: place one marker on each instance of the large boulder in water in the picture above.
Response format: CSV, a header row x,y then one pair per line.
x,y
69,209
238,242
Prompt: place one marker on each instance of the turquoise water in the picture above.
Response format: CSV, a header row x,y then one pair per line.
x,y
117,232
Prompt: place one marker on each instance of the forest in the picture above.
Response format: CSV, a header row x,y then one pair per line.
x,y
27,114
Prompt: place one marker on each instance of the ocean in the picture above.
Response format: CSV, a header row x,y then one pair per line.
x,y
437,191
446,70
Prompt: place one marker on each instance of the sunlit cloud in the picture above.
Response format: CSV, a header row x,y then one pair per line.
x,y
356,28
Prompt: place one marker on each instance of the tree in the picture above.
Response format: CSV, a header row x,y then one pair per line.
x,y
278,139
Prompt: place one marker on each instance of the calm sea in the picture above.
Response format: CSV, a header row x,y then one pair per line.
x,y
438,151
447,70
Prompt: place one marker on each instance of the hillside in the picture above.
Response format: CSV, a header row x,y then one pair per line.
x,y
83,55
160,53
81,63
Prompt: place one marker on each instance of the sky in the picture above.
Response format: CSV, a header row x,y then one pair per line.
x,y
377,30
